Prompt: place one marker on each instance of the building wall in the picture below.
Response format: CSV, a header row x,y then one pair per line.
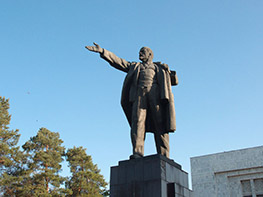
x,y
228,174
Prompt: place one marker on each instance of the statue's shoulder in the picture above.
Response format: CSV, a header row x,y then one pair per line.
x,y
135,64
161,65
158,63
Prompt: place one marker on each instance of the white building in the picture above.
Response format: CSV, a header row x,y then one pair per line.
x,y
236,173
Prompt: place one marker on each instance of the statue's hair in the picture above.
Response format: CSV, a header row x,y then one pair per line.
x,y
150,51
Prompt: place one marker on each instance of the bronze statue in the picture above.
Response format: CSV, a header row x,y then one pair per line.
x,y
147,98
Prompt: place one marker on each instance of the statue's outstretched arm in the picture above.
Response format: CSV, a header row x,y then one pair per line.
x,y
111,58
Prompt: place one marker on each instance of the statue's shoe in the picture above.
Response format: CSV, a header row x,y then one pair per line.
x,y
136,156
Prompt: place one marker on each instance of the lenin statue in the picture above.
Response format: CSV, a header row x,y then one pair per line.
x,y
147,98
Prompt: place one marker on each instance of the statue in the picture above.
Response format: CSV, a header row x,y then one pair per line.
x,y
147,98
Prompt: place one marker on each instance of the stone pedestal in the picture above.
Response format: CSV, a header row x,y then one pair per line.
x,y
150,176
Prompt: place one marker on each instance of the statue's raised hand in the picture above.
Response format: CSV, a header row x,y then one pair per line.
x,y
96,48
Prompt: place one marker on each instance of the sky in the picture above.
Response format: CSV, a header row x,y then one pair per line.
x,y
52,81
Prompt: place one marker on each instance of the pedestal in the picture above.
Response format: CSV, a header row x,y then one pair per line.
x,y
150,176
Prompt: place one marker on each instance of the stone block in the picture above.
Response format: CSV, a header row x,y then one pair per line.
x,y
150,176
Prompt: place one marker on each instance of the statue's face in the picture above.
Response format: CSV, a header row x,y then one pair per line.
x,y
144,55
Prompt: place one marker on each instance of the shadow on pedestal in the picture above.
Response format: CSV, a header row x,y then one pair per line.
x,y
150,176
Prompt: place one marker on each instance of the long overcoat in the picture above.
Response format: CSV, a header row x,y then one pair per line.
x,y
165,78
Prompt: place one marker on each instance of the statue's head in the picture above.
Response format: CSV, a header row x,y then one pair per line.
x,y
146,54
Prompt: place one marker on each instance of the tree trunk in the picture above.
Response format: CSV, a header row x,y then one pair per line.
x,y
47,188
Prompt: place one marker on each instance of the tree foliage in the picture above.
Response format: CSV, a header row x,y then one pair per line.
x,y
10,155
44,164
35,171
86,179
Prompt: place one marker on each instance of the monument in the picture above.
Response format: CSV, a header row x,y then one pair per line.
x,y
148,103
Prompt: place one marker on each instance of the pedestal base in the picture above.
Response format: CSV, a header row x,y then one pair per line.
x,y
150,176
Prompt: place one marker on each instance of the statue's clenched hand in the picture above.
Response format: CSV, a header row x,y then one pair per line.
x,y
96,48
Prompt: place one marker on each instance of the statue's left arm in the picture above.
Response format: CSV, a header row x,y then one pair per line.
x,y
172,73
174,79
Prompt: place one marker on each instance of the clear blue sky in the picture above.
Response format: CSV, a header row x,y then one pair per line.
x,y
54,82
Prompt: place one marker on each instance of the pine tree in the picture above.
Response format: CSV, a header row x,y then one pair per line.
x,y
44,164
10,155
86,179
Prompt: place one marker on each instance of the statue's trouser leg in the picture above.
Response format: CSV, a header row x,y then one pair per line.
x,y
138,123
157,117
162,143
